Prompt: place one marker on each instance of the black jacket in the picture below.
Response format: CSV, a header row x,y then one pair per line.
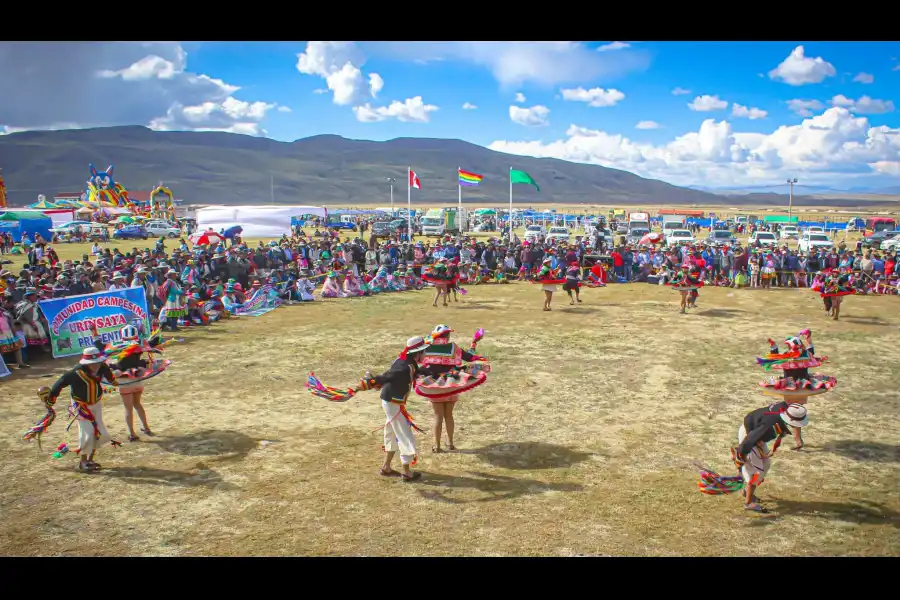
x,y
83,386
763,425
396,382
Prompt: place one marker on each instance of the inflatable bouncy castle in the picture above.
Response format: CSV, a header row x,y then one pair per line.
x,y
2,191
162,203
104,191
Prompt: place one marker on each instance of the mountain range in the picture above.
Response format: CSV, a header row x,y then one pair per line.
x,y
224,168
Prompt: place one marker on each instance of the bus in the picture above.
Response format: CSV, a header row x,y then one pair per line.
x,y
874,224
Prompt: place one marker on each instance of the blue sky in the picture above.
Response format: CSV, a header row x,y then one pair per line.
x,y
762,111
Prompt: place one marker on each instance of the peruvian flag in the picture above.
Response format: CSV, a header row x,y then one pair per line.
x,y
414,180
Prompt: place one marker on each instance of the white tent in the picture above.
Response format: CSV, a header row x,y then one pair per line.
x,y
256,221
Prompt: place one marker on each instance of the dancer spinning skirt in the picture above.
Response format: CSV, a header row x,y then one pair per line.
x,y
687,284
767,271
796,384
548,279
834,288
442,280
443,378
573,282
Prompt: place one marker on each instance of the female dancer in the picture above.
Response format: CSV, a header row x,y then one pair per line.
x,y
835,287
767,271
686,285
29,316
443,378
548,279
442,281
9,341
573,282
173,294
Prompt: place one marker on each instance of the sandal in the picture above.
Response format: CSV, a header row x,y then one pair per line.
x,y
85,468
24,366
147,432
451,447
388,473
798,446
436,449
133,438
755,507
411,476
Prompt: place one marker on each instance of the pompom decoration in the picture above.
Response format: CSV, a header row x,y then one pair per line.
x,y
332,394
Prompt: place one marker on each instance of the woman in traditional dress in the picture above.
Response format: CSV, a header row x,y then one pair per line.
x,y
9,341
352,288
573,282
548,279
443,378
330,288
767,271
29,316
441,279
796,384
834,288
173,294
305,287
685,284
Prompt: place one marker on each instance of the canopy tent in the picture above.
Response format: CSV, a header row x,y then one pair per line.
x,y
780,219
256,221
43,204
485,212
22,222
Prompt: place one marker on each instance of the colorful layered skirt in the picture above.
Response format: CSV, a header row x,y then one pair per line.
x,y
811,385
441,388
132,376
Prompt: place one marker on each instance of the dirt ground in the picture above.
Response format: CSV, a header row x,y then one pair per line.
x,y
581,443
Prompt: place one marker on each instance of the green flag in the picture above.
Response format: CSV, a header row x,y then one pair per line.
x,y
522,177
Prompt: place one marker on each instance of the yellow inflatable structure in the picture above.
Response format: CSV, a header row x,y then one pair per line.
x,y
2,191
162,203
103,190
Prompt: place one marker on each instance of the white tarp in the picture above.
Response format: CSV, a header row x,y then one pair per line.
x,y
256,221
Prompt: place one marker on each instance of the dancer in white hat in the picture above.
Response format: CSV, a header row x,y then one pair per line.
x,y
752,456
86,387
396,384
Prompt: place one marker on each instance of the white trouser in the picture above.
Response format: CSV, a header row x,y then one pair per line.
x,y
755,463
86,440
398,435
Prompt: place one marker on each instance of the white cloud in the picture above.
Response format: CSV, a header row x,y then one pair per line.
x,y
865,105
535,116
647,125
613,46
799,69
514,63
707,104
864,78
805,108
469,106
411,110
284,109
738,110
596,97
118,83
320,91
231,115
680,91
339,64
831,147
520,97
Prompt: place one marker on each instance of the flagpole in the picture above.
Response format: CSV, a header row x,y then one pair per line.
x,y
409,203
462,226
510,205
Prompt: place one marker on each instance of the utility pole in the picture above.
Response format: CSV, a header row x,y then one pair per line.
x,y
391,181
791,183
272,176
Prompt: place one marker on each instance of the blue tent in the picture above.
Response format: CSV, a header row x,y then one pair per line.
x,y
18,223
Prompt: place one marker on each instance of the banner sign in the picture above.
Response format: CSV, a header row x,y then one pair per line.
x,y
72,318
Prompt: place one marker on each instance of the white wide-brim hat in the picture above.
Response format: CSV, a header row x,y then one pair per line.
x,y
415,344
795,415
91,356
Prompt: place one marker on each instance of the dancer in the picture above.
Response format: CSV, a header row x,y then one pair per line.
x,y
443,378
85,383
686,285
796,384
172,294
548,279
29,317
442,280
573,282
752,456
835,287
131,371
395,385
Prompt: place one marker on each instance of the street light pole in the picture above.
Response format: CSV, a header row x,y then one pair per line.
x,y
791,183
391,181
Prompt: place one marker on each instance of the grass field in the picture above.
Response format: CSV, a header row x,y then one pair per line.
x,y
582,442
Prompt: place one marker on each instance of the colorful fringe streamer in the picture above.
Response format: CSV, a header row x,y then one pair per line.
x,y
713,484
34,433
333,394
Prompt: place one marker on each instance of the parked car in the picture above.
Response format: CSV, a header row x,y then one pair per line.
x,y
763,238
721,237
679,236
874,240
892,244
558,234
131,232
808,241
161,229
71,227
532,232
789,232
382,229
815,229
